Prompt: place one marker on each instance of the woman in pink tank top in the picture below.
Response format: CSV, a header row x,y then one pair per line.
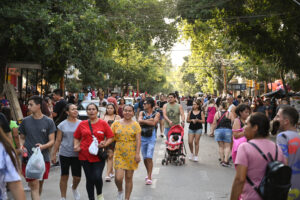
x,y
211,111
242,111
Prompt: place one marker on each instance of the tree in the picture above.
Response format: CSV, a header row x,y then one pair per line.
x,y
83,33
270,29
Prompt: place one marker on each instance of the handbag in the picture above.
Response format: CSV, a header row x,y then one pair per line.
x,y
147,131
94,149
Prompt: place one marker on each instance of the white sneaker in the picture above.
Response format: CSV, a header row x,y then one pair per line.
x,y
100,197
111,175
196,159
27,188
191,157
76,194
120,196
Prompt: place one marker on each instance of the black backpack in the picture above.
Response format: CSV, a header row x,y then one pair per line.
x,y
276,183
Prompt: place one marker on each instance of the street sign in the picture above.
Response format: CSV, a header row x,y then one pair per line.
x,y
236,86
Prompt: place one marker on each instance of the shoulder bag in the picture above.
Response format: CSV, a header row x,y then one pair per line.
x,y
101,152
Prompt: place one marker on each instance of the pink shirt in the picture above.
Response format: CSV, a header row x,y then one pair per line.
x,y
248,156
112,100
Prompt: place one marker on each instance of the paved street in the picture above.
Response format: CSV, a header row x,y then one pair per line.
x,y
193,181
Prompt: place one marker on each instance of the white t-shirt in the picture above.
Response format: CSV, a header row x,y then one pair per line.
x,y
230,107
8,172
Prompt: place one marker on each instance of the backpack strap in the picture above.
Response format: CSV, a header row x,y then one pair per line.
x,y
219,120
276,153
252,185
259,150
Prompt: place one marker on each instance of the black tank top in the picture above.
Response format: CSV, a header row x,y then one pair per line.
x,y
110,122
225,122
197,125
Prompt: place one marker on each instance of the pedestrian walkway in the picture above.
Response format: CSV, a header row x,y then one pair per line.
x,y
203,180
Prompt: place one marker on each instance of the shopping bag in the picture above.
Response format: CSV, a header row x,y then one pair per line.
x,y
93,148
35,167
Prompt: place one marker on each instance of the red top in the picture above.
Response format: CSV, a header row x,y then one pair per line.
x,y
101,131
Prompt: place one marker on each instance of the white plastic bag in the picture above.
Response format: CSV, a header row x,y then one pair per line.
x,y
35,167
93,148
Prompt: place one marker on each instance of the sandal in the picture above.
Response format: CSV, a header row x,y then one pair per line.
x,y
149,182
146,178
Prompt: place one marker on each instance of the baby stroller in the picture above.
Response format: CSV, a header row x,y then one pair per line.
x,y
175,146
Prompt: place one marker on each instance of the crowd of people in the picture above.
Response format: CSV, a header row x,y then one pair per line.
x,y
126,130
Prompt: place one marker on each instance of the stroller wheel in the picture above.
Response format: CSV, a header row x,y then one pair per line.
x,y
163,162
167,162
182,160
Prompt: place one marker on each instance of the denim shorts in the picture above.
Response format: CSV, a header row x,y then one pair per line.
x,y
147,148
198,131
166,132
223,135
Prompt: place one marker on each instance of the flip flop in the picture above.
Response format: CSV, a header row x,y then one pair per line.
x,y
149,182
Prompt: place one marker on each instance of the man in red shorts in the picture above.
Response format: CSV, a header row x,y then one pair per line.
x,y
36,130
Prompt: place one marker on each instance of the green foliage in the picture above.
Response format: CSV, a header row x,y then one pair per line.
x,y
84,33
267,29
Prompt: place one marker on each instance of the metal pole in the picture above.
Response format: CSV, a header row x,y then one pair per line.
x,y
36,79
42,81
6,79
26,84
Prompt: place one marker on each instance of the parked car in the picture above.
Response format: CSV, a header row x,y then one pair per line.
x,y
82,115
128,100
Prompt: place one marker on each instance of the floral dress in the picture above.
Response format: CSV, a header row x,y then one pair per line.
x,y
125,150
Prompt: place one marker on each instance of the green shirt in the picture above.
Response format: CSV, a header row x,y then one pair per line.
x,y
173,113
13,124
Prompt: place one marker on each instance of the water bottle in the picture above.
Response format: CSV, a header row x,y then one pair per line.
x,y
24,155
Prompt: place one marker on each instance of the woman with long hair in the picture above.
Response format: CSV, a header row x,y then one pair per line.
x,y
110,117
9,170
195,118
121,106
223,133
67,157
242,112
127,152
84,135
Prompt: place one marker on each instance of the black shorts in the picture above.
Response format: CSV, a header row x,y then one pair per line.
x,y
66,162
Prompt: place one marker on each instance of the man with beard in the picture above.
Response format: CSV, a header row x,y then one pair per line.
x,y
289,141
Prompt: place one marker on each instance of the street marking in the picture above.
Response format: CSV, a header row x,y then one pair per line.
x,y
210,195
161,152
153,186
155,171
158,160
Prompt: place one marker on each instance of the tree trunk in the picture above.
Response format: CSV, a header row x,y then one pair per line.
x,y
2,75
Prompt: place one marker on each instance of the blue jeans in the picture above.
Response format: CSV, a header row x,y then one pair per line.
x,y
166,132
223,135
